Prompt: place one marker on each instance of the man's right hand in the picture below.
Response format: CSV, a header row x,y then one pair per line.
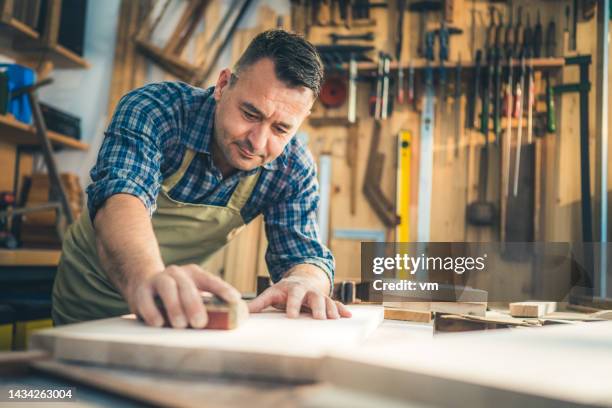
x,y
179,289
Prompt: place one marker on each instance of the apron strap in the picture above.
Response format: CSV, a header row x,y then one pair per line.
x,y
175,177
243,191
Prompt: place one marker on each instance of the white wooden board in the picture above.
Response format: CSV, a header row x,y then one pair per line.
x,y
563,365
268,345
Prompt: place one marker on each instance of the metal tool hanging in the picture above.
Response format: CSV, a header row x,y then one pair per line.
x,y
426,144
382,206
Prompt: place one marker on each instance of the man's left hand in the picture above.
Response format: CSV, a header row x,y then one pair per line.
x,y
304,287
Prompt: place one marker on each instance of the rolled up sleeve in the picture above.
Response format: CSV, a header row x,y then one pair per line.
x,y
130,156
292,229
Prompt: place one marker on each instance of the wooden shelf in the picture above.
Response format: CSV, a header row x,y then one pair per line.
x,y
15,132
29,257
30,46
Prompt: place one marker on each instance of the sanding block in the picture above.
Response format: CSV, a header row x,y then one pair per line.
x,y
221,314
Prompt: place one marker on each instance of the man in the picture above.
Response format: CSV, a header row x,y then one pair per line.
x,y
180,171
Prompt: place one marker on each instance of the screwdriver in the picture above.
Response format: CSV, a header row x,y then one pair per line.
x,y
537,38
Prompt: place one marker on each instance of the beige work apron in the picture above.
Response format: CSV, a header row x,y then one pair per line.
x,y
186,233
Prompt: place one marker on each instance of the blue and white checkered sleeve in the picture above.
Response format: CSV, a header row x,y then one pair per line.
x,y
130,156
292,229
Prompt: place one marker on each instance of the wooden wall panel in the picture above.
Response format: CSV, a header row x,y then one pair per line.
x,y
7,160
242,259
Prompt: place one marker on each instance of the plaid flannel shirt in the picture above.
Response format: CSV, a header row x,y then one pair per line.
x,y
145,142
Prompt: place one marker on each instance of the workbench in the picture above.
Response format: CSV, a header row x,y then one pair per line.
x,y
101,386
122,387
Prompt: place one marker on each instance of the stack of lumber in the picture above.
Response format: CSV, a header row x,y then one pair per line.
x,y
39,228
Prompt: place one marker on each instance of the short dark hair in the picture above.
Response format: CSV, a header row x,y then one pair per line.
x,y
296,61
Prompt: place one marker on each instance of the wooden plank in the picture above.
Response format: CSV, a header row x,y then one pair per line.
x,y
64,58
268,345
408,315
532,309
177,67
464,308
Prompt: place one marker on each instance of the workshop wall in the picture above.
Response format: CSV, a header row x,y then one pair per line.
x,y
455,178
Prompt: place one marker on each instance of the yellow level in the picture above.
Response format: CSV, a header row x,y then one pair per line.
x,y
404,154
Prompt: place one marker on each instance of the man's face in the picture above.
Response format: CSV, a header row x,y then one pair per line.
x,y
257,116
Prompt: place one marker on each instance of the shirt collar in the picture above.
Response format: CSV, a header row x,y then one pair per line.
x,y
206,122
199,140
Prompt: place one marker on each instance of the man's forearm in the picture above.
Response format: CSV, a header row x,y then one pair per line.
x,y
125,241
